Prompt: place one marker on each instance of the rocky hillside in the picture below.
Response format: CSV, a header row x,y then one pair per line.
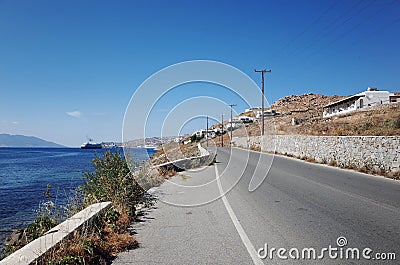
x,y
302,115
304,103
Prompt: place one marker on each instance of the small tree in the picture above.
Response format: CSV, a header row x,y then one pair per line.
x,y
193,138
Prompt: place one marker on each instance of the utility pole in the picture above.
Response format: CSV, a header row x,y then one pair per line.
x,y
231,105
222,131
262,100
207,132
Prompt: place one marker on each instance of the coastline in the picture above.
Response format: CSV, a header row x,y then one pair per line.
x,y
27,171
119,212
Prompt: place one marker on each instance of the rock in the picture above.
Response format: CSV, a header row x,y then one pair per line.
x,y
17,238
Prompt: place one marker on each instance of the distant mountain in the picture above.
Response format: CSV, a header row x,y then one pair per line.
x,y
8,140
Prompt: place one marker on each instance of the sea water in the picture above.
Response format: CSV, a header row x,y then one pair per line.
x,y
26,172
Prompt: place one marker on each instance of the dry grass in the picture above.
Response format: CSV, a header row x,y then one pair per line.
x,y
311,160
255,148
169,152
332,163
394,175
95,243
380,121
225,140
174,151
166,172
115,243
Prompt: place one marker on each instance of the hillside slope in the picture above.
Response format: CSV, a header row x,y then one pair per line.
x,y
302,115
8,140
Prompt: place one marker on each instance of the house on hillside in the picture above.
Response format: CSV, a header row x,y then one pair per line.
x,y
266,113
371,97
252,109
204,133
245,119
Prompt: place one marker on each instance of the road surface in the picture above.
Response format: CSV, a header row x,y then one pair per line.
x,y
298,206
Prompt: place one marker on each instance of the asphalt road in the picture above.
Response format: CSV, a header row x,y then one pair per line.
x,y
298,206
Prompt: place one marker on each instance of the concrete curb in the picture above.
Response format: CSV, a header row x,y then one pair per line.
x,y
32,251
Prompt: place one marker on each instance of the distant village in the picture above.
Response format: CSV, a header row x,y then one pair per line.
x,y
153,142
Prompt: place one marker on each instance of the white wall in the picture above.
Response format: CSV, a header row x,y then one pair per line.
x,y
369,98
374,98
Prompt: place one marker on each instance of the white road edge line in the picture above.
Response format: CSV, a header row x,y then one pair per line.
x,y
245,239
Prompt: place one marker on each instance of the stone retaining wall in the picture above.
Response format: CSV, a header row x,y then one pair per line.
x,y
380,153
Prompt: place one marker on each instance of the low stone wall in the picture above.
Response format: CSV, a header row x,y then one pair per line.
x,y
380,153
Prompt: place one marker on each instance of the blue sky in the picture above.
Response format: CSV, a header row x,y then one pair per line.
x,y
86,58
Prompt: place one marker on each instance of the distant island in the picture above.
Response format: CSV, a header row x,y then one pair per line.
x,y
8,140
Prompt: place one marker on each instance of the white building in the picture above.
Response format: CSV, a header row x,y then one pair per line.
x,y
252,109
266,113
371,97
245,119
237,122
200,133
231,126
204,133
219,131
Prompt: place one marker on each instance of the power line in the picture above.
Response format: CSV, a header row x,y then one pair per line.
x,y
327,29
311,24
341,36
376,13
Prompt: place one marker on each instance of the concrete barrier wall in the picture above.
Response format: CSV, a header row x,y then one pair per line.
x,y
380,153
188,163
206,158
32,251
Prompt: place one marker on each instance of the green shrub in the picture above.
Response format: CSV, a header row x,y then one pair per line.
x,y
112,181
111,216
367,125
68,260
193,138
41,225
